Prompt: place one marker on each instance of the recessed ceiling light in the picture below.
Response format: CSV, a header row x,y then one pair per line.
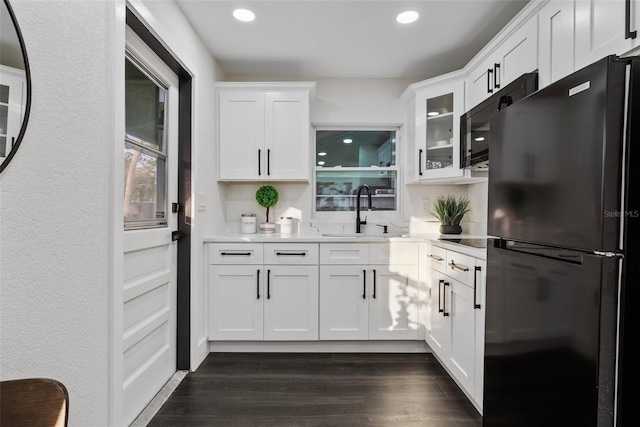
x,y
433,113
407,17
347,140
321,163
480,138
244,15
322,153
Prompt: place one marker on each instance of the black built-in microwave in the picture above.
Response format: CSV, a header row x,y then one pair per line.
x,y
474,124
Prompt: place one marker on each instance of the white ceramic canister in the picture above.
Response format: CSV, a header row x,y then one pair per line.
x,y
248,223
286,225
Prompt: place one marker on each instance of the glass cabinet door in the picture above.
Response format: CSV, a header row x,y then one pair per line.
x,y
438,133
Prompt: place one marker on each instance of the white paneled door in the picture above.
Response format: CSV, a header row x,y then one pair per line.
x,y
150,263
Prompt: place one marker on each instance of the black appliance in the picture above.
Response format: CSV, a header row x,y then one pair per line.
x,y
563,270
474,124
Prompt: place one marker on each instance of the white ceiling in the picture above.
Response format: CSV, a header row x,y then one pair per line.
x,y
345,38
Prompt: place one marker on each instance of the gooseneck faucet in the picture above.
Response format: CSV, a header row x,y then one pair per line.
x,y
358,194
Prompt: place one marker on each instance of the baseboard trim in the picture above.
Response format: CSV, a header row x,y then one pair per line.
x,y
319,346
147,414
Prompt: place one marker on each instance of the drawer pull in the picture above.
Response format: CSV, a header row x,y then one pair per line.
x,y
291,253
475,286
436,257
235,253
457,267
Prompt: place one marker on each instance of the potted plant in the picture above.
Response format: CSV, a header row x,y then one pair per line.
x,y
267,196
450,210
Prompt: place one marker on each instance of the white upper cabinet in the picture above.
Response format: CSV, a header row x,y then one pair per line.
x,y
556,50
605,27
514,56
264,131
433,130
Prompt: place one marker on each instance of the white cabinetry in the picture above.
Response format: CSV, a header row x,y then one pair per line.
x,y
556,50
433,129
603,27
12,105
516,55
264,131
456,333
251,301
369,291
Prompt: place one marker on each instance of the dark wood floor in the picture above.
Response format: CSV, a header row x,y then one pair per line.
x,y
240,389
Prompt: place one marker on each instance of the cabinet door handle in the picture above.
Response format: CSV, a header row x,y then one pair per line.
x,y
475,286
437,258
374,284
458,267
496,71
628,34
258,283
444,300
291,253
489,78
235,253
440,309
364,284
259,162
268,161
420,162
268,284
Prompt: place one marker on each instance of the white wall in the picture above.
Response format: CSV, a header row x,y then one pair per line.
x,y
55,210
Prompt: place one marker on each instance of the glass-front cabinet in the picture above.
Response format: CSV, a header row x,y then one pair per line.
x,y
433,115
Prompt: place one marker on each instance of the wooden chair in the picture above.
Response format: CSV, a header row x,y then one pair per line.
x,y
33,402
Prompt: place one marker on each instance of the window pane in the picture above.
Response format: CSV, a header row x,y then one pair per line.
x,y
356,148
144,188
336,190
3,146
144,108
4,94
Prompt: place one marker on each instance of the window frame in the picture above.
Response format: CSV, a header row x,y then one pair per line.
x,y
343,216
148,150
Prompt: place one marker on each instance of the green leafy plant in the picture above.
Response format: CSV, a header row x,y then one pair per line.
x,y
267,196
450,209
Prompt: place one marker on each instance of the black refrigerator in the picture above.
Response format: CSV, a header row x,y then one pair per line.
x,y
562,305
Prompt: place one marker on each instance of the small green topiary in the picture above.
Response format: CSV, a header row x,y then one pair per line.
x,y
450,209
267,196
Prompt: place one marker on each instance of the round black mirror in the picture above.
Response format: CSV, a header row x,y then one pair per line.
x,y
15,85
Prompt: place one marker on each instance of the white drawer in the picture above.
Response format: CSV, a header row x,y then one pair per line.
x,y
235,253
344,253
438,257
291,254
461,267
397,253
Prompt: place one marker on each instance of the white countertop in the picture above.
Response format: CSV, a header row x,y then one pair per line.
x,y
446,241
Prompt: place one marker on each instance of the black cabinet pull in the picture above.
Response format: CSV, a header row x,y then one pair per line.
x,y
235,253
489,76
440,282
259,161
258,283
628,34
268,284
496,71
374,284
268,161
364,284
291,253
420,162
444,300
504,99
475,286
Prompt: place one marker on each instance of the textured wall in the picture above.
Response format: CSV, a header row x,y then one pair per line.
x,y
55,209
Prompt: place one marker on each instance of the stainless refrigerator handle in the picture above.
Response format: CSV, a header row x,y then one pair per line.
x,y
475,287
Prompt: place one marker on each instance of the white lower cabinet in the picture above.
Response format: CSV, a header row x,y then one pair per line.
x,y
254,302
370,292
456,333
